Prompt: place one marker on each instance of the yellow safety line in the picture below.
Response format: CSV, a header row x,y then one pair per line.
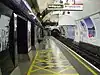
x,y
35,70
38,69
71,74
50,63
32,64
67,68
86,66
60,74
49,57
45,51
46,69
57,66
41,60
35,62
54,73
39,57
30,69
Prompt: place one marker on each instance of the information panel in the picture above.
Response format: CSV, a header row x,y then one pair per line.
x,y
64,7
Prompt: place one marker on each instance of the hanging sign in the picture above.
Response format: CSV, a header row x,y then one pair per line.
x,y
65,7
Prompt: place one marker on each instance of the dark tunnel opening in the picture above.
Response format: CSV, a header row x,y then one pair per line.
x,y
55,33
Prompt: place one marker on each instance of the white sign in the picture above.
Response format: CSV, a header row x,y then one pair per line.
x,y
64,7
55,6
77,7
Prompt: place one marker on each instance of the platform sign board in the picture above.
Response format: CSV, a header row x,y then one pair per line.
x,y
65,7
55,7
73,7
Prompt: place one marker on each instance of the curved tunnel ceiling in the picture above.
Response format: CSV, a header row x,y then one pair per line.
x,y
90,7
39,6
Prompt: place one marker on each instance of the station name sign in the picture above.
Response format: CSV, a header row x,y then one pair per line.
x,y
65,7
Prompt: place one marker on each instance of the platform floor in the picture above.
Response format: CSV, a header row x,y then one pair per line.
x,y
49,60
46,63
52,57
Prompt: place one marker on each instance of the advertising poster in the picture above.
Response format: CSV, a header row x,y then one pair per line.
x,y
96,20
4,32
90,26
83,31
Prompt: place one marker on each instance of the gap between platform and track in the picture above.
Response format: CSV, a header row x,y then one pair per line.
x,y
57,73
74,54
77,56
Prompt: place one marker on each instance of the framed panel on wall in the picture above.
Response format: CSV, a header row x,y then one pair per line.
x,y
90,26
96,20
4,31
83,31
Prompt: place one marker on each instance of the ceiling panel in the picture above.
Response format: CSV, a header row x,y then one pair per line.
x,y
43,4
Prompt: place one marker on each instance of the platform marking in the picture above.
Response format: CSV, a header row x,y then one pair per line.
x,y
35,70
76,57
60,74
86,66
70,67
30,69
92,71
37,60
46,70
38,68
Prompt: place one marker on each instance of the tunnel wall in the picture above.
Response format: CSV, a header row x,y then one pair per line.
x,y
66,20
68,23
82,32
6,43
83,35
